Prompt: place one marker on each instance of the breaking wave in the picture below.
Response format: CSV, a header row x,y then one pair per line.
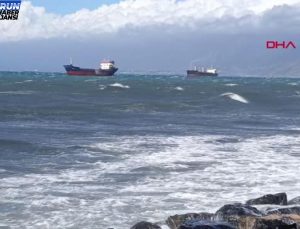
x,y
179,88
235,97
119,85
231,84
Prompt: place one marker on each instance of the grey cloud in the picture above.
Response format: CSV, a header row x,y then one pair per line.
x,y
235,46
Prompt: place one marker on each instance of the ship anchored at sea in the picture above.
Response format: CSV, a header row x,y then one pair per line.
x,y
106,68
196,72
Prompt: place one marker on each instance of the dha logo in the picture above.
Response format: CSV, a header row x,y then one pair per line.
x,y
277,45
9,9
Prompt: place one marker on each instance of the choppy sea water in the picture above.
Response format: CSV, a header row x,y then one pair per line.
x,y
108,152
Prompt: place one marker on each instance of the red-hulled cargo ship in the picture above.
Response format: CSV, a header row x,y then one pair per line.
x,y
107,68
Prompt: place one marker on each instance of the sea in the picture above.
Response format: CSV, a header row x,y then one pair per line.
x,y
84,152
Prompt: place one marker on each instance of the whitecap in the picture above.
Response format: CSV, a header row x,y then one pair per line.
x,y
235,97
102,87
26,81
119,85
231,84
179,89
16,92
293,84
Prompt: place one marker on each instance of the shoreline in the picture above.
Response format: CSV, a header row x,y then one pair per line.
x,y
265,212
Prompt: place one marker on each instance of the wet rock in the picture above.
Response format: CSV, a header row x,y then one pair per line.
x,y
284,211
175,221
145,225
275,221
236,209
276,199
235,213
266,222
295,201
196,224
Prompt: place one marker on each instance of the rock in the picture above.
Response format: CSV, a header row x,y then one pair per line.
x,y
234,213
267,222
275,221
236,209
175,221
145,225
294,201
196,224
284,211
277,199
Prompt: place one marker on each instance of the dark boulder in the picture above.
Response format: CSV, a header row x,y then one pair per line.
x,y
295,201
236,209
275,221
266,222
145,225
276,199
175,221
284,211
236,213
278,224
196,224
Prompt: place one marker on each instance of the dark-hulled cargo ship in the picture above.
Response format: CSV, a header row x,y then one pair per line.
x,y
107,68
203,72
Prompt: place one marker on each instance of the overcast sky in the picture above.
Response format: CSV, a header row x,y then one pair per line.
x,y
153,35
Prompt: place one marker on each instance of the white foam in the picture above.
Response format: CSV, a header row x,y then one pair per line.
x,y
152,177
119,85
231,84
179,89
25,81
17,92
293,84
102,87
235,97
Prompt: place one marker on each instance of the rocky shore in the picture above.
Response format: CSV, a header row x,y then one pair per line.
x,y
272,211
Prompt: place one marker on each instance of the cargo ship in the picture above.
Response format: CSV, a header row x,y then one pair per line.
x,y
107,68
203,72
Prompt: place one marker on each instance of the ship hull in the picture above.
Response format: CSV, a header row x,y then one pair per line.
x,y
195,73
77,71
